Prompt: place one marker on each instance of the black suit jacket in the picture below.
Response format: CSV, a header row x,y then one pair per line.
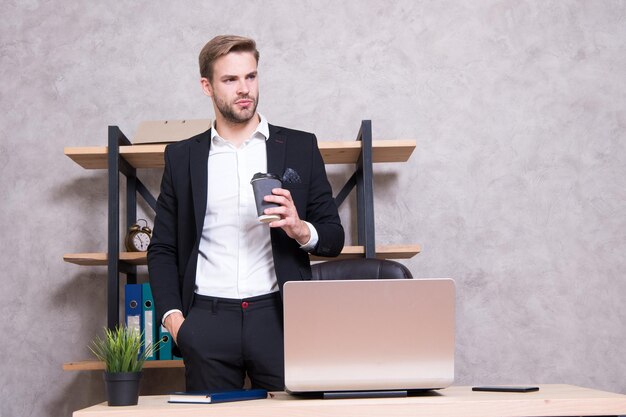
x,y
181,207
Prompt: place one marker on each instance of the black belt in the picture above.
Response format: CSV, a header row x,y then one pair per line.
x,y
209,302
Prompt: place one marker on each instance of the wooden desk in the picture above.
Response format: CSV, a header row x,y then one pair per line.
x,y
550,400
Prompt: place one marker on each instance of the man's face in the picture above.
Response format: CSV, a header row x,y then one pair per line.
x,y
234,87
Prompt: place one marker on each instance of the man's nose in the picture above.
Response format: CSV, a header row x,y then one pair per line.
x,y
243,88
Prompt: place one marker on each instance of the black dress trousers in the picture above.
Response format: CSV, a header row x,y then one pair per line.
x,y
222,339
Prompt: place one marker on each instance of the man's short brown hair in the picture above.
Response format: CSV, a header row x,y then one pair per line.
x,y
220,46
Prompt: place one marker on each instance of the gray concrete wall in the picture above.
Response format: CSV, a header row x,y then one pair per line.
x,y
516,188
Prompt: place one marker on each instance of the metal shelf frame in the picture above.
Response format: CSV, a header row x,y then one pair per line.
x,y
117,165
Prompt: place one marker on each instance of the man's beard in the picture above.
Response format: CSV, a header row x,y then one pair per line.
x,y
228,111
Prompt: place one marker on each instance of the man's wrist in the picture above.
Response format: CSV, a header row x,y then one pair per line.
x,y
168,314
310,244
305,234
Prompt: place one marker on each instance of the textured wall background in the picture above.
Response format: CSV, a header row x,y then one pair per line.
x,y
516,188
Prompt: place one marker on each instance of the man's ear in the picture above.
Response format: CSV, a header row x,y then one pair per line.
x,y
206,86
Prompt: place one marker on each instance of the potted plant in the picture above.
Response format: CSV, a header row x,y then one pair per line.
x,y
120,350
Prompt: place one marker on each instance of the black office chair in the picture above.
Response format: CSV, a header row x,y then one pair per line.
x,y
359,269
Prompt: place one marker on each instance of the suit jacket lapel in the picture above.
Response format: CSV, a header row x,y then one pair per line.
x,y
276,145
198,159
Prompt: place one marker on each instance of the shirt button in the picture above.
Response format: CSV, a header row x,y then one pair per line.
x,y
244,305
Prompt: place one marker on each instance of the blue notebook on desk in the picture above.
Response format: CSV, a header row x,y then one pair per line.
x,y
196,397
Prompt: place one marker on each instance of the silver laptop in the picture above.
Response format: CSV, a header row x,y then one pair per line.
x,y
369,335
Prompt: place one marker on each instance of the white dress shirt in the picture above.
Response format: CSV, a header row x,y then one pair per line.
x,y
235,259
235,254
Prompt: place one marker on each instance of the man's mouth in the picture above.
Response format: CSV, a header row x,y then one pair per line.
x,y
244,102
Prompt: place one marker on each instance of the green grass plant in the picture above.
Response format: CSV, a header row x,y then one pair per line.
x,y
119,350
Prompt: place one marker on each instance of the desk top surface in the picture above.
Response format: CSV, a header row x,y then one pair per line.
x,y
550,400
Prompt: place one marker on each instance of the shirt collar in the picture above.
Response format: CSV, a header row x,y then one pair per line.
x,y
262,130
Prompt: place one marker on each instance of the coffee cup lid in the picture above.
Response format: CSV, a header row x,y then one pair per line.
x,y
262,175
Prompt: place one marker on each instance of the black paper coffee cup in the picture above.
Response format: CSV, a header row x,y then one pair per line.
x,y
262,185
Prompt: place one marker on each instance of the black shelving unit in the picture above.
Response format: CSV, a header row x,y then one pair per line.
x,y
361,179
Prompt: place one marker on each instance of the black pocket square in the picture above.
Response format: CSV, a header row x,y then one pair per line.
x,y
290,176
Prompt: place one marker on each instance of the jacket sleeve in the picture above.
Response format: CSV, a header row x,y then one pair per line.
x,y
163,268
321,209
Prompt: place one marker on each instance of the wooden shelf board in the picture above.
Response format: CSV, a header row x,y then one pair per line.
x,y
139,258
100,258
347,152
382,252
333,152
88,157
99,366
144,156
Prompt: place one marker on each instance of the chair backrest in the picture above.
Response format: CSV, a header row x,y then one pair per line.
x,y
360,269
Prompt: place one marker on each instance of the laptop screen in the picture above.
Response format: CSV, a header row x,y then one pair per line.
x,y
369,334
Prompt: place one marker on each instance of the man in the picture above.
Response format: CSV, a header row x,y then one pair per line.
x,y
216,272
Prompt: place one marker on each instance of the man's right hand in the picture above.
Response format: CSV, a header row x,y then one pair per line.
x,y
173,323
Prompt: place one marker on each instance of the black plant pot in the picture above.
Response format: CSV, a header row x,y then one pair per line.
x,y
122,387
